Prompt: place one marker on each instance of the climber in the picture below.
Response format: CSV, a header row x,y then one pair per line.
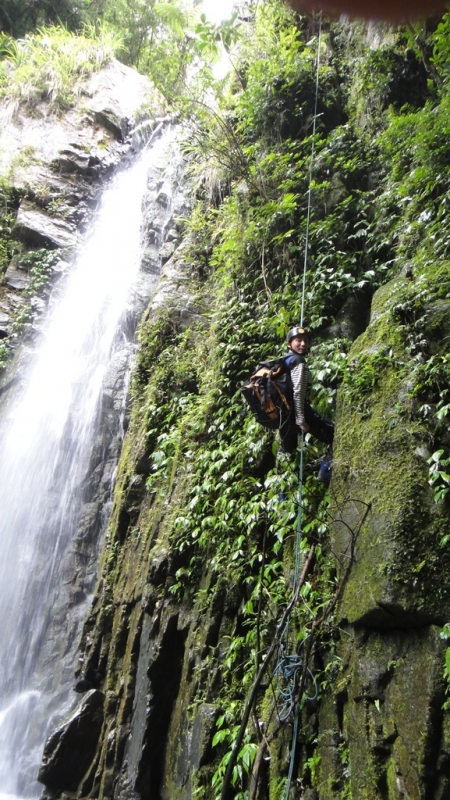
x,y
303,416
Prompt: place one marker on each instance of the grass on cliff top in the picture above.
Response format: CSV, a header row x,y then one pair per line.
x,y
51,64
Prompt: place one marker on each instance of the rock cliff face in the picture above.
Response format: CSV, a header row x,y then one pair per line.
x,y
167,654
55,167
54,170
383,727
147,650
380,727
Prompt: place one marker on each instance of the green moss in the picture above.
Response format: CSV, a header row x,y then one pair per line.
x,y
381,441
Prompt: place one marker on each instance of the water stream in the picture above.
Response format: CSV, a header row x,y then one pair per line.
x,y
46,443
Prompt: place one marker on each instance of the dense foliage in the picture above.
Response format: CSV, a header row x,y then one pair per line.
x,y
378,186
18,17
51,64
378,200
169,41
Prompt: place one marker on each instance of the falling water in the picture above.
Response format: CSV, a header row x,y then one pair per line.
x,y
45,449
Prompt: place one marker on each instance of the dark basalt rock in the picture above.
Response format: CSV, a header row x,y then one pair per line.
x,y
3,327
72,159
83,685
70,749
36,228
16,279
112,122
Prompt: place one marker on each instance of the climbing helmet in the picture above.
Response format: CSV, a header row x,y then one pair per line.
x,y
297,332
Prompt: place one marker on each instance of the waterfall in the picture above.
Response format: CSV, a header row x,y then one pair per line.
x,y
46,452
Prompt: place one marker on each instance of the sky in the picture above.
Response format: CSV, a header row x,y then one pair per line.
x,y
217,10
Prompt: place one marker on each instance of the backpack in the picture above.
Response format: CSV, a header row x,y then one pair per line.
x,y
269,392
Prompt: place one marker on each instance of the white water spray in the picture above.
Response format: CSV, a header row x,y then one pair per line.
x,y
45,450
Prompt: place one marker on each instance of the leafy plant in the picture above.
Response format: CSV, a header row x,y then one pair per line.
x,y
439,478
439,38
445,635
226,735
52,63
4,354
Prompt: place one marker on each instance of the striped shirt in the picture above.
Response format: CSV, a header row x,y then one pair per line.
x,y
301,384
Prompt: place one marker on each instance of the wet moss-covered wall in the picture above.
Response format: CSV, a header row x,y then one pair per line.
x,y
383,451
386,709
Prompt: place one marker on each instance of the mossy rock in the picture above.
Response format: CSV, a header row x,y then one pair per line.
x,y
387,725
385,519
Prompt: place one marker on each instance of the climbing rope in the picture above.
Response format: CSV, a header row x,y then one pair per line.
x,y
289,668
287,674
291,673
313,152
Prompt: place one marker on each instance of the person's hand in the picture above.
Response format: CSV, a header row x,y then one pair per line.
x,y
304,427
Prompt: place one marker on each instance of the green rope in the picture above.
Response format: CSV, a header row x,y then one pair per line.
x,y
313,151
302,448
289,667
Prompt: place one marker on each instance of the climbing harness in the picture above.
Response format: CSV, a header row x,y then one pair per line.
x,y
290,668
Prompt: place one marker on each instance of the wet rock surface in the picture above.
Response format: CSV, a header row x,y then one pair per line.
x,y
383,727
37,229
58,165
70,749
160,213
15,278
71,161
